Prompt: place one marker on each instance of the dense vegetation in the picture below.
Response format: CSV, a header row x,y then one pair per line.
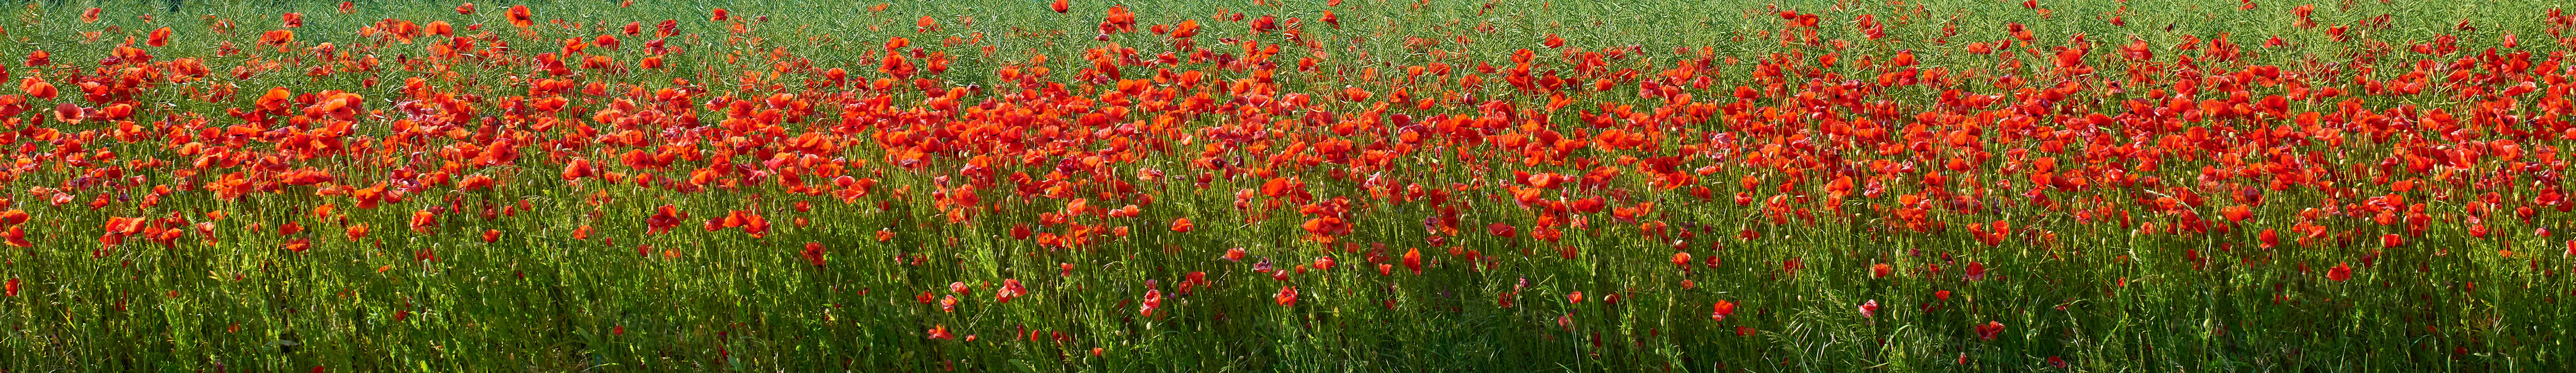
x,y
1332,185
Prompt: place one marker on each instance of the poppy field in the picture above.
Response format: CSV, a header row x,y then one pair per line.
x,y
1308,185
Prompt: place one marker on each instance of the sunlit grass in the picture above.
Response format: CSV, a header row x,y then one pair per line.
x,y
550,269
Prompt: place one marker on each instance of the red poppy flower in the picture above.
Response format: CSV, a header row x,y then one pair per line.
x,y
1989,330
579,168
1413,260
519,16
1010,289
37,88
813,253
422,221
1153,301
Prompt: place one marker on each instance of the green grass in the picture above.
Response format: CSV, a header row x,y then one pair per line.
x,y
2102,296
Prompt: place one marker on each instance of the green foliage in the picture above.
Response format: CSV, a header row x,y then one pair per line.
x,y
541,297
